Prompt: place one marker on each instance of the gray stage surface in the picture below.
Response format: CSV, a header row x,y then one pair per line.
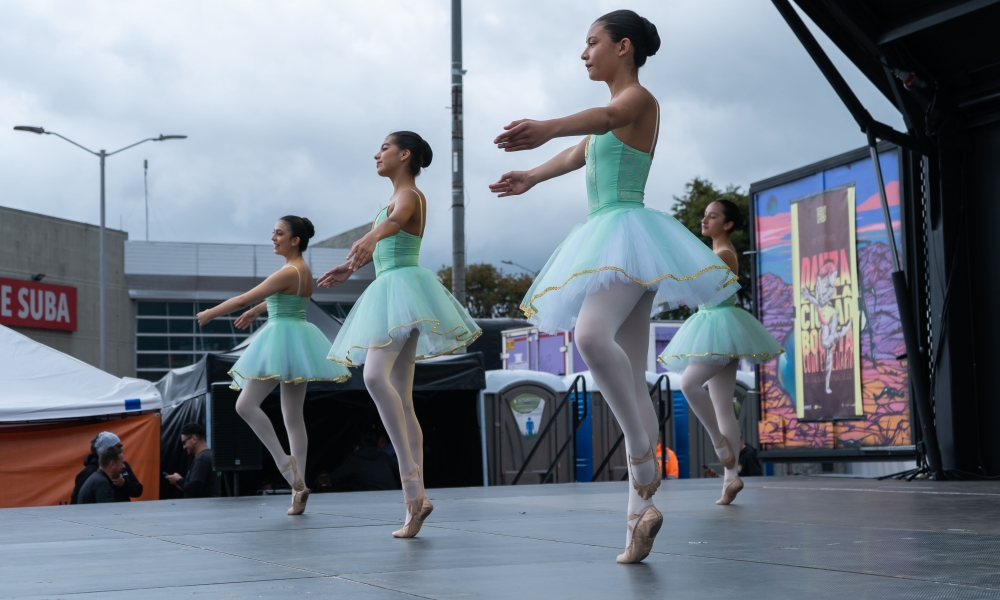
x,y
793,537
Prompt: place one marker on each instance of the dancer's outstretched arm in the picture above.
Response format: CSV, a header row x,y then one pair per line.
x,y
514,183
244,320
404,207
623,110
276,283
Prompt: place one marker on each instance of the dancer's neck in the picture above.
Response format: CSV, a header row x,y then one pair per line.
x,y
622,80
402,182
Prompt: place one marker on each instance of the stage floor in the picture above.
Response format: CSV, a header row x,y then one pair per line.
x,y
793,537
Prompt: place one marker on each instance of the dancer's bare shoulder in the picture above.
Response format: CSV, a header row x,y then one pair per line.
x,y
728,256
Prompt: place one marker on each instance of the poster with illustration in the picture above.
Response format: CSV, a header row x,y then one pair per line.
x,y
824,279
875,338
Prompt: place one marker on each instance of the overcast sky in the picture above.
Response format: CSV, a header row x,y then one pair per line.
x,y
286,102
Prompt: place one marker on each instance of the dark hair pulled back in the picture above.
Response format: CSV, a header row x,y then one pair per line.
x,y
420,151
622,24
732,214
302,228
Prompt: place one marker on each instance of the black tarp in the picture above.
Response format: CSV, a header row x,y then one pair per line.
x,y
337,414
455,372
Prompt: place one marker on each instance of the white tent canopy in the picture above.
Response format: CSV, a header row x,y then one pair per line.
x,y
38,383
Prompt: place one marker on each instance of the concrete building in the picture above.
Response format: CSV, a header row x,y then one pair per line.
x,y
60,258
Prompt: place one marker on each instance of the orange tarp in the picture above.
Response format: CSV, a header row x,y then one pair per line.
x,y
40,462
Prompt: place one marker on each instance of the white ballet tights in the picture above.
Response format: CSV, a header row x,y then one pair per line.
x,y
612,334
714,407
389,379
293,397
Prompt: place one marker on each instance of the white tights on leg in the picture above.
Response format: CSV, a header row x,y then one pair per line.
x,y
293,398
714,407
612,334
389,378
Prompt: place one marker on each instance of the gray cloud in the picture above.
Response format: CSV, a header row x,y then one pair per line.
x,y
287,102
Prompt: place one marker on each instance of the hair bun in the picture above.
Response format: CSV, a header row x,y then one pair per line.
x,y
426,154
308,228
652,37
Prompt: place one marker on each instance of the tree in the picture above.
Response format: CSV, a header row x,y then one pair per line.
x,y
689,210
489,292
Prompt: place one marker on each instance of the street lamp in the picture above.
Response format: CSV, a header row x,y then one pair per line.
x,y
512,263
102,155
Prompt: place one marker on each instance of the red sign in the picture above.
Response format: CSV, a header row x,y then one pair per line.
x,y
37,305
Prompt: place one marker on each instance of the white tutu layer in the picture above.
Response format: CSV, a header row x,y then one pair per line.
x,y
637,245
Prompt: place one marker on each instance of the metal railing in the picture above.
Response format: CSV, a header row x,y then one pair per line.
x,y
575,396
666,411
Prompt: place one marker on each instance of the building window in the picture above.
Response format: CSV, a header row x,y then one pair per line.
x,y
168,336
339,310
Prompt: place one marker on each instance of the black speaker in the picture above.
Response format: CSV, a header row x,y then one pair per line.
x,y
235,446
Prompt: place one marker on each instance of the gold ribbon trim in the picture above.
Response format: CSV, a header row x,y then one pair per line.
x,y
764,356
462,337
530,310
235,386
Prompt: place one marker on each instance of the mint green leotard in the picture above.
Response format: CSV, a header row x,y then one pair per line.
x,y
404,298
288,348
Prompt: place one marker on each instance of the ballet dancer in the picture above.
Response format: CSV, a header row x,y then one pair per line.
x,y
709,346
607,274
288,350
403,316
830,331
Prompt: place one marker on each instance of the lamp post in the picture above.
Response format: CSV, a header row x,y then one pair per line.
x,y
514,264
102,154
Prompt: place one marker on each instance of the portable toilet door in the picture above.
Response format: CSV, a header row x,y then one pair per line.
x,y
519,416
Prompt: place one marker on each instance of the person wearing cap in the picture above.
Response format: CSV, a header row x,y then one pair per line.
x,y
99,488
125,486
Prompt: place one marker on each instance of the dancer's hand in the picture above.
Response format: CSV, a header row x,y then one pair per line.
x,y
246,319
524,134
513,183
361,252
204,317
336,275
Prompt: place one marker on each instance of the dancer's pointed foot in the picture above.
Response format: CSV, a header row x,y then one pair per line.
x,y
644,531
645,490
729,491
417,509
300,493
729,461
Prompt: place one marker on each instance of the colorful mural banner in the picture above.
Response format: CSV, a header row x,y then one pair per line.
x,y
825,284
884,383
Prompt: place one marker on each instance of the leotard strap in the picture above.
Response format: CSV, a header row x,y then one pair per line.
x,y
656,130
298,279
420,203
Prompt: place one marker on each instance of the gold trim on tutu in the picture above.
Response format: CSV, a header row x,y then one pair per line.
x,y
766,355
297,380
459,338
530,310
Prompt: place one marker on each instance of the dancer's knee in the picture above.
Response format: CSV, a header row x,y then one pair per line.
x,y
690,384
244,408
591,341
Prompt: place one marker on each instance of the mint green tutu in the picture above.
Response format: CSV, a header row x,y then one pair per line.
x,y
289,348
718,334
403,298
626,242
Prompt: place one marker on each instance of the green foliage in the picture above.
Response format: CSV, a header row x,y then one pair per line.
x,y
689,210
489,292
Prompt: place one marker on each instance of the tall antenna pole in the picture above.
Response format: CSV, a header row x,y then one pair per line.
x,y
457,159
145,193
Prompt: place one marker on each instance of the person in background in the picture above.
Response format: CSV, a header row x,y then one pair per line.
x,y
201,480
366,468
99,488
126,485
672,467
